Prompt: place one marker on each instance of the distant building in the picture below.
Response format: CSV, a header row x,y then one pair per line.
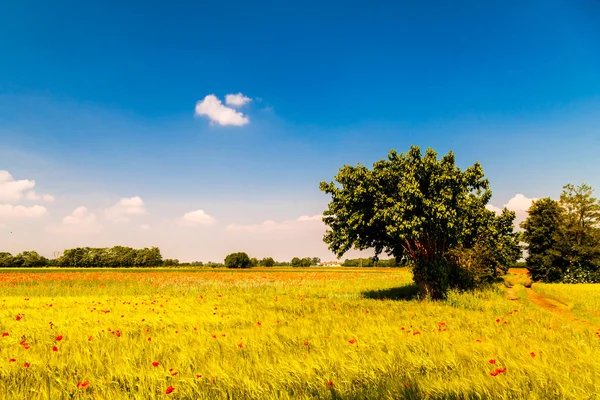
x,y
330,264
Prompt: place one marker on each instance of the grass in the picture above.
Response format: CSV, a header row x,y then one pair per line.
x,y
271,334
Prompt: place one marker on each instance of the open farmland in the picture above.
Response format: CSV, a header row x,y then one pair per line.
x,y
307,333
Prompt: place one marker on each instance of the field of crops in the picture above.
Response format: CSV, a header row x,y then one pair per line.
x,y
271,334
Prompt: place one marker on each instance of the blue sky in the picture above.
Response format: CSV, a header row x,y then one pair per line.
x,y
97,105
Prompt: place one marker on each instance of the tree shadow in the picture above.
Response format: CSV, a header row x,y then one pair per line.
x,y
406,292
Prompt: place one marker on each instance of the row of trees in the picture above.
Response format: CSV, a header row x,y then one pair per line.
x,y
127,257
26,259
242,260
563,237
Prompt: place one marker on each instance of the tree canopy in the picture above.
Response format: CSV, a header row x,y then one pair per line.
x,y
237,260
418,207
563,237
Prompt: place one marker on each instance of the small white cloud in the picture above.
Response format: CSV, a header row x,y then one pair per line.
x,y
125,208
212,108
48,197
9,211
196,218
237,100
519,204
144,227
80,221
318,217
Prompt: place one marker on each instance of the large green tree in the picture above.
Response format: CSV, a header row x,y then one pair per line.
x,y
579,240
563,237
411,205
541,233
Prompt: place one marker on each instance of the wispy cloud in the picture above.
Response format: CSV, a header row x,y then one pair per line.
x,y
9,211
270,225
80,221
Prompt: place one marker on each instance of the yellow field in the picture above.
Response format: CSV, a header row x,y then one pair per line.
x,y
263,334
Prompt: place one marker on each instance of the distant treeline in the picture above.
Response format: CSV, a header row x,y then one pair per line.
x,y
127,257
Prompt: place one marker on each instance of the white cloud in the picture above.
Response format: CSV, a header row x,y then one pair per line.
x,y
81,221
519,204
212,108
12,190
9,211
196,218
237,100
125,208
144,227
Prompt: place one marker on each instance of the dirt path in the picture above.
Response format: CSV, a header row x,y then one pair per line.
x,y
510,294
556,307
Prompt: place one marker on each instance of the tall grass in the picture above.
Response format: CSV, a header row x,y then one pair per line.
x,y
277,335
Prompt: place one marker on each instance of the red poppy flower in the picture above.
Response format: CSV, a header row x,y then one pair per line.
x,y
492,361
498,320
352,341
174,373
149,339
54,348
5,334
498,371
12,360
240,345
532,354
83,384
155,363
258,323
416,333
406,384
306,343
19,317
198,376
214,336
26,365
59,338
330,383
169,390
